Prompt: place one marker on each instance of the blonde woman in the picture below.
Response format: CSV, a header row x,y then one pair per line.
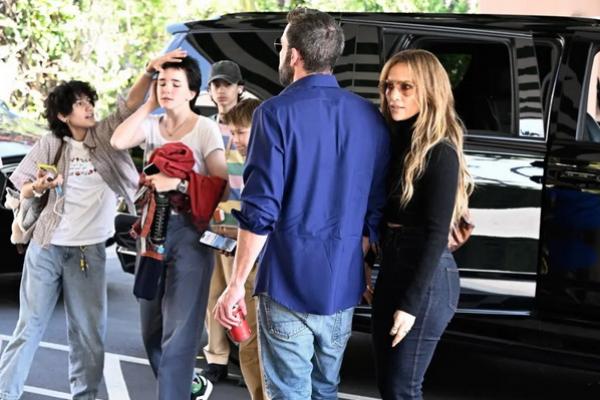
x,y
417,290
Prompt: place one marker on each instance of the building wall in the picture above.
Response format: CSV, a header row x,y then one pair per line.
x,y
584,8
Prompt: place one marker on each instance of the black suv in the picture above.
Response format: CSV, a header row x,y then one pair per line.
x,y
527,89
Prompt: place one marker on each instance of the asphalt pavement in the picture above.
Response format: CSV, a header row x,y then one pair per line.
x,y
456,372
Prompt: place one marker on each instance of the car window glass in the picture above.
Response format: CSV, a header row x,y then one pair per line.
x,y
252,51
362,58
591,123
480,74
547,53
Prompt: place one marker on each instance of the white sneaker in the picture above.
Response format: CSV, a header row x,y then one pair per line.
x,y
201,388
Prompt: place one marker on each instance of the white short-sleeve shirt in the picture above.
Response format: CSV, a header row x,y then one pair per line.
x,y
203,139
90,205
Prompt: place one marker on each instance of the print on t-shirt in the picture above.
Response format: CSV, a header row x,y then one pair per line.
x,y
81,166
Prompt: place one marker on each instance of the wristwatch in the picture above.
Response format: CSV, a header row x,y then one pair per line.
x,y
36,193
182,186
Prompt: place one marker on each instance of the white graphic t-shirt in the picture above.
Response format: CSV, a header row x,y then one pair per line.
x,y
90,205
203,139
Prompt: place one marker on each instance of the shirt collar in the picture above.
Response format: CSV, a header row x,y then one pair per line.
x,y
325,80
89,140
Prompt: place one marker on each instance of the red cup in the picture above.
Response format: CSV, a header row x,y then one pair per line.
x,y
241,332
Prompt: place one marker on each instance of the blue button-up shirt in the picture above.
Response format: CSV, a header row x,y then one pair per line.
x,y
314,182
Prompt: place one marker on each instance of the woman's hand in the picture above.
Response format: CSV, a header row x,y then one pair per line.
x,y
155,65
163,183
403,323
45,181
368,293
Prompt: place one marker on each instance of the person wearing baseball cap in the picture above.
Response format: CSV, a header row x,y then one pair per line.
x,y
225,86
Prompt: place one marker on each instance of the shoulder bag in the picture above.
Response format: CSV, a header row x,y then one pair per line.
x,y
461,231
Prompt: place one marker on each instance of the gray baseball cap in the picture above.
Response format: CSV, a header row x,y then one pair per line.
x,y
226,70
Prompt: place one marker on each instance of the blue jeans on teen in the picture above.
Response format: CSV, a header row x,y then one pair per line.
x,y
301,353
172,323
401,369
47,272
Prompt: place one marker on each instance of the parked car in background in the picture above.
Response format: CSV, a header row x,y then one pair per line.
x,y
17,136
527,89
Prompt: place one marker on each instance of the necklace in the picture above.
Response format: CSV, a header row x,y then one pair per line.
x,y
172,132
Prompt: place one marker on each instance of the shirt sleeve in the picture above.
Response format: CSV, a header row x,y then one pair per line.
x,y
439,183
264,175
211,139
148,126
377,194
27,168
106,127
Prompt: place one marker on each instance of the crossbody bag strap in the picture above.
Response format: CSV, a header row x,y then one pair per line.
x,y
44,199
58,153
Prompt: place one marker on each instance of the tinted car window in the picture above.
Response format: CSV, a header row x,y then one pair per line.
x,y
591,117
547,52
480,73
481,81
257,65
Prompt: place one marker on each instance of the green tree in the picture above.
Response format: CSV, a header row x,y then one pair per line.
x,y
104,42
107,42
441,6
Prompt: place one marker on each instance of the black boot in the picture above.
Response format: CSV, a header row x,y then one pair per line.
x,y
215,372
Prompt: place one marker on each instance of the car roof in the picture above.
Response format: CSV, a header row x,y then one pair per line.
x,y
277,20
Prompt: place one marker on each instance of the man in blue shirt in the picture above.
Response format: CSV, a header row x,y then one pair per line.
x,y
314,186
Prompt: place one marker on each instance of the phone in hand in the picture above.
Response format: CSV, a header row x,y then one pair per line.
x,y
51,174
151,169
218,242
51,171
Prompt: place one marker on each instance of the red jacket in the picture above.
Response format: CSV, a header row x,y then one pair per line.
x,y
204,192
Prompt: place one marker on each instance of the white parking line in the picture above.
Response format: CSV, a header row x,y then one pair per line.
x,y
114,380
47,392
355,397
113,377
116,387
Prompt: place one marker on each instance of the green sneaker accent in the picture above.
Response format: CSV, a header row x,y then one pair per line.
x,y
201,388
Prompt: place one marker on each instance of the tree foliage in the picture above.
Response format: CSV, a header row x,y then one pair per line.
x,y
108,42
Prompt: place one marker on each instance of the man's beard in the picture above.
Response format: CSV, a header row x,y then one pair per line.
x,y
286,72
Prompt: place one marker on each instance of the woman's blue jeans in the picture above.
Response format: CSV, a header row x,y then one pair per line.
x,y
47,273
172,323
401,369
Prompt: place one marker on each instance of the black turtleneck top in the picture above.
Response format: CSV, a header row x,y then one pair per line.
x,y
430,210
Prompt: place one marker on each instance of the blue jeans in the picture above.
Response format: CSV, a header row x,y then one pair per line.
x,y
46,273
172,323
401,369
301,353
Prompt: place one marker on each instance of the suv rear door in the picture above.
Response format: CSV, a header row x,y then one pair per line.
x,y
498,93
569,271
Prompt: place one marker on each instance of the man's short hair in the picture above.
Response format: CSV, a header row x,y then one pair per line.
x,y
241,113
317,36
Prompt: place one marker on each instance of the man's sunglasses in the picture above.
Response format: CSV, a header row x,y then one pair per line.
x,y
277,44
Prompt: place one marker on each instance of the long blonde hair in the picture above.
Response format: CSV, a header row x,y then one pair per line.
x,y
437,121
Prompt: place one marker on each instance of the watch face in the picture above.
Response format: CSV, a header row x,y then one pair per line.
x,y
182,187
